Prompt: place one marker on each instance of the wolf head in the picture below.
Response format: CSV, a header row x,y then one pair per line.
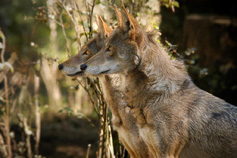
x,y
121,51
71,67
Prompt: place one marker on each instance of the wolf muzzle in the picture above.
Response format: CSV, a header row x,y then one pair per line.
x,y
83,66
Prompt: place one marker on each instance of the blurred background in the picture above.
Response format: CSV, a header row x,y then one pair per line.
x,y
43,113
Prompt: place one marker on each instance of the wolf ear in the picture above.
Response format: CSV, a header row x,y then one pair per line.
x,y
130,25
104,29
118,15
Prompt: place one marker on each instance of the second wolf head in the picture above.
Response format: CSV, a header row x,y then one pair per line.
x,y
121,52
71,67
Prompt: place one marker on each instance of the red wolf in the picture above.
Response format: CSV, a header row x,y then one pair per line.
x,y
174,117
127,130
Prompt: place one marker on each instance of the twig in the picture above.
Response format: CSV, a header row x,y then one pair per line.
x,y
6,115
7,118
85,89
4,45
37,113
28,144
103,129
64,34
88,151
83,26
90,97
91,17
27,132
74,21
110,138
2,146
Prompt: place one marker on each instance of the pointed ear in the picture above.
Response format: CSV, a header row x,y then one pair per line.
x,y
104,29
99,24
129,24
118,15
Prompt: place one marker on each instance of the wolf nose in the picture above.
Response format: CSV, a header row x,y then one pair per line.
x,y
83,66
60,66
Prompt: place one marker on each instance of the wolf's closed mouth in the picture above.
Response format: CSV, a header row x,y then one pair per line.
x,y
77,73
105,71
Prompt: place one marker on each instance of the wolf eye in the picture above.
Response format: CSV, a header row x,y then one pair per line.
x,y
86,52
109,49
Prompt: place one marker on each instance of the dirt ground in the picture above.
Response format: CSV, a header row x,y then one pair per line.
x,y
69,138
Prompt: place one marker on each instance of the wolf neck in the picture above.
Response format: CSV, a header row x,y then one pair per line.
x,y
113,97
157,76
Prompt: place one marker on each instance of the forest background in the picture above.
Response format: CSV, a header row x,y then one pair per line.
x,y
43,113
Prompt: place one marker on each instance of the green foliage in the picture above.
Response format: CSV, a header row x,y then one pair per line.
x,y
68,110
170,4
189,57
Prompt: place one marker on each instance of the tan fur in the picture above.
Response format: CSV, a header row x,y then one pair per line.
x,y
174,117
127,130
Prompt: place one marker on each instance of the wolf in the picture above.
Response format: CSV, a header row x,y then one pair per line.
x,y
127,130
175,118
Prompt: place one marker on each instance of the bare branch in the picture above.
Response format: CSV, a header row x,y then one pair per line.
x,y
6,114
37,113
74,21
64,34
4,45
